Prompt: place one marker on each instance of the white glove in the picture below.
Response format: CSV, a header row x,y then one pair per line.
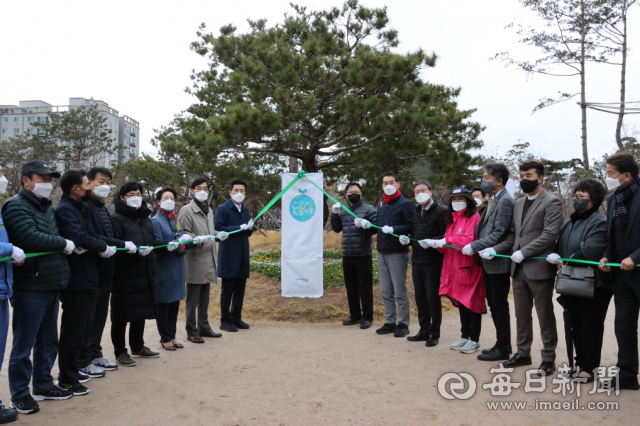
x,y
387,229
111,250
172,245
438,243
486,253
467,250
221,236
184,238
404,240
553,258
336,208
244,226
69,248
79,250
517,257
250,224
365,224
200,239
145,250
17,255
131,248
424,244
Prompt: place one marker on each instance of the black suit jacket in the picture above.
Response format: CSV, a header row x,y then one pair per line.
x,y
95,228
632,239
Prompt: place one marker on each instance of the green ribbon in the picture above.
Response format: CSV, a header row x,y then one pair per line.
x,y
279,195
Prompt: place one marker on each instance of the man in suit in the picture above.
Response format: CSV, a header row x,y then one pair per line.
x,y
493,228
537,219
233,256
623,207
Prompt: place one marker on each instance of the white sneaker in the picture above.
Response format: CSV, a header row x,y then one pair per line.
x,y
105,364
459,344
470,347
93,371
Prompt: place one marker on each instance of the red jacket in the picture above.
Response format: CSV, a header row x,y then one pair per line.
x,y
462,280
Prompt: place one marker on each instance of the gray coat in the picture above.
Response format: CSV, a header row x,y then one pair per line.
x,y
355,241
493,229
201,262
535,236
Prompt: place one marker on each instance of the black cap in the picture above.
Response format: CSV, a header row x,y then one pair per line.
x,y
457,192
38,167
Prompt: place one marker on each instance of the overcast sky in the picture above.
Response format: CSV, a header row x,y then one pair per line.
x,y
135,56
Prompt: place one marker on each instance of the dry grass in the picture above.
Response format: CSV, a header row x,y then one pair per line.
x,y
258,241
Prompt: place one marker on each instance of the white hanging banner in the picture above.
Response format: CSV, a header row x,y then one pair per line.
x,y
302,247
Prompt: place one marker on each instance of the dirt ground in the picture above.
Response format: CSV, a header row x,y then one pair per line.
x,y
315,374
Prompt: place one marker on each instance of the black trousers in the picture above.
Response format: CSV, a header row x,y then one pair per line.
x,y
136,336
470,323
627,302
77,310
358,279
167,319
426,282
587,326
498,286
232,294
99,319
197,300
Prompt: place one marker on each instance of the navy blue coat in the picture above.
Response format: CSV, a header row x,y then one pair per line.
x,y
170,280
399,215
84,271
95,227
233,253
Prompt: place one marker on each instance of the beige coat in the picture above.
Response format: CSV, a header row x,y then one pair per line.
x,y
202,262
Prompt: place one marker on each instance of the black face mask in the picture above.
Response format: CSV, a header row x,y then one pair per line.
x,y
85,197
528,185
354,198
580,204
486,186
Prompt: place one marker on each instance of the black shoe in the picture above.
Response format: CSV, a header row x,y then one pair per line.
x,y
242,325
168,348
546,368
486,351
614,384
386,329
145,352
228,326
76,389
352,321
517,361
125,360
418,338
82,377
401,330
25,405
432,341
494,354
178,346
365,324
55,393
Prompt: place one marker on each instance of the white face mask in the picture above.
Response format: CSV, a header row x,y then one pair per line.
x,y
43,190
458,205
422,198
390,190
134,202
202,196
612,183
3,184
102,191
168,205
478,202
238,197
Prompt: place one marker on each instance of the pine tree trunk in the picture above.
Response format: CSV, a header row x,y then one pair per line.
x,y
623,77
583,105
293,164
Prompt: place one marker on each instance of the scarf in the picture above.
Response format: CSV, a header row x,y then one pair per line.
x,y
203,206
173,223
387,199
620,214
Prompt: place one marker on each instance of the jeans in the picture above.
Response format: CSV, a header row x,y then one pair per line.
x,y
470,323
392,269
35,327
426,282
99,319
4,329
232,294
167,319
497,286
136,337
358,279
197,299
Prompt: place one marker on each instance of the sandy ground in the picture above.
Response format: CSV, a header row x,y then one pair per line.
x,y
315,374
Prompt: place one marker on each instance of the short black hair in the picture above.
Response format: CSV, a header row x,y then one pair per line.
x,y
533,164
29,175
130,186
238,182
353,184
160,193
498,171
93,172
624,162
596,190
197,182
71,178
484,194
391,174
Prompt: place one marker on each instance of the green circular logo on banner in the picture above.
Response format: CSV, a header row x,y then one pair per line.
x,y
302,207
